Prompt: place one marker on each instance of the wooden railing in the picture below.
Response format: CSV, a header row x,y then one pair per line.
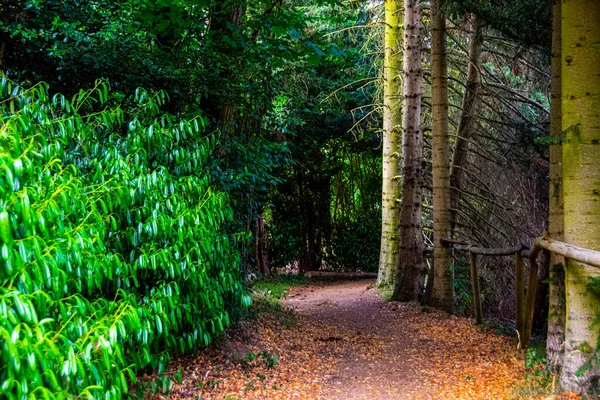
x,y
525,306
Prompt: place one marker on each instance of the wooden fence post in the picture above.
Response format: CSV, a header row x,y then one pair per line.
x,y
475,284
530,304
520,278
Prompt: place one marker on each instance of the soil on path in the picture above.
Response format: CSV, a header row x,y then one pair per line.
x,y
386,350
342,341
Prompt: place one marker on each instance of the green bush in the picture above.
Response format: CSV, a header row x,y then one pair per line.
x,y
112,248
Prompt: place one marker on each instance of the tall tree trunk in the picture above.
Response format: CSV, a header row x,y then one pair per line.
x,y
556,297
465,130
581,184
389,256
443,280
411,270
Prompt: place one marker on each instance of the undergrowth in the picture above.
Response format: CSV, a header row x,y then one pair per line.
x,y
266,307
278,286
538,382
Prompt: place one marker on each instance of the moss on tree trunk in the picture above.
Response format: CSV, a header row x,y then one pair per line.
x,y
392,121
581,182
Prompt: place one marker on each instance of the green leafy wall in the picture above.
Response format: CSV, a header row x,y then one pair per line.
x,y
113,254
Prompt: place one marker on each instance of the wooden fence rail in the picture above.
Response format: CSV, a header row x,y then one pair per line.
x,y
525,299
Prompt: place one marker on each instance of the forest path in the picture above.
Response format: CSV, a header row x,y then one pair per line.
x,y
342,341
387,350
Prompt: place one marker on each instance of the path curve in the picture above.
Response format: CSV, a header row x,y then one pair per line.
x,y
344,342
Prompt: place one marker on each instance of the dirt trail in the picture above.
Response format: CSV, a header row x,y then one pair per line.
x,y
343,342
386,350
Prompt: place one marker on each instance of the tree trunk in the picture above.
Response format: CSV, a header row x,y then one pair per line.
x,y
411,270
389,256
540,309
261,249
304,260
581,185
2,50
223,106
465,126
324,212
556,296
443,285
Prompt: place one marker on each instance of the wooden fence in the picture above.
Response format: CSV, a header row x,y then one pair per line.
x,y
525,299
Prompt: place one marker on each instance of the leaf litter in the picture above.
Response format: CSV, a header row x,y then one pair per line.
x,y
341,341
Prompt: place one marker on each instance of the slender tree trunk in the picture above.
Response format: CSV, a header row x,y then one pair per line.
x,y
324,212
261,249
465,130
411,270
389,256
540,309
304,262
581,185
321,201
256,246
2,50
443,280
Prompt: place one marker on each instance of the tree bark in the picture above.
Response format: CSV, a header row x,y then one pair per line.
x,y
2,50
477,313
581,185
261,249
443,279
223,106
389,256
540,312
465,126
556,296
411,270
305,260
520,297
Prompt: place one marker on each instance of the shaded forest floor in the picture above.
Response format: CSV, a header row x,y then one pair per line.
x,y
341,341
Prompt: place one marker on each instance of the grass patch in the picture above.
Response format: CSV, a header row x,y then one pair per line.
x,y
278,286
266,297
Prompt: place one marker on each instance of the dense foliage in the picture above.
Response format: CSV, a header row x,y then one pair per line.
x,y
243,64
112,243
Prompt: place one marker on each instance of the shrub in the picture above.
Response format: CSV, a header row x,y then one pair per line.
x,y
112,251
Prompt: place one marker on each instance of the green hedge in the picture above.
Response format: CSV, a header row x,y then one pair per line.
x,y
112,249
